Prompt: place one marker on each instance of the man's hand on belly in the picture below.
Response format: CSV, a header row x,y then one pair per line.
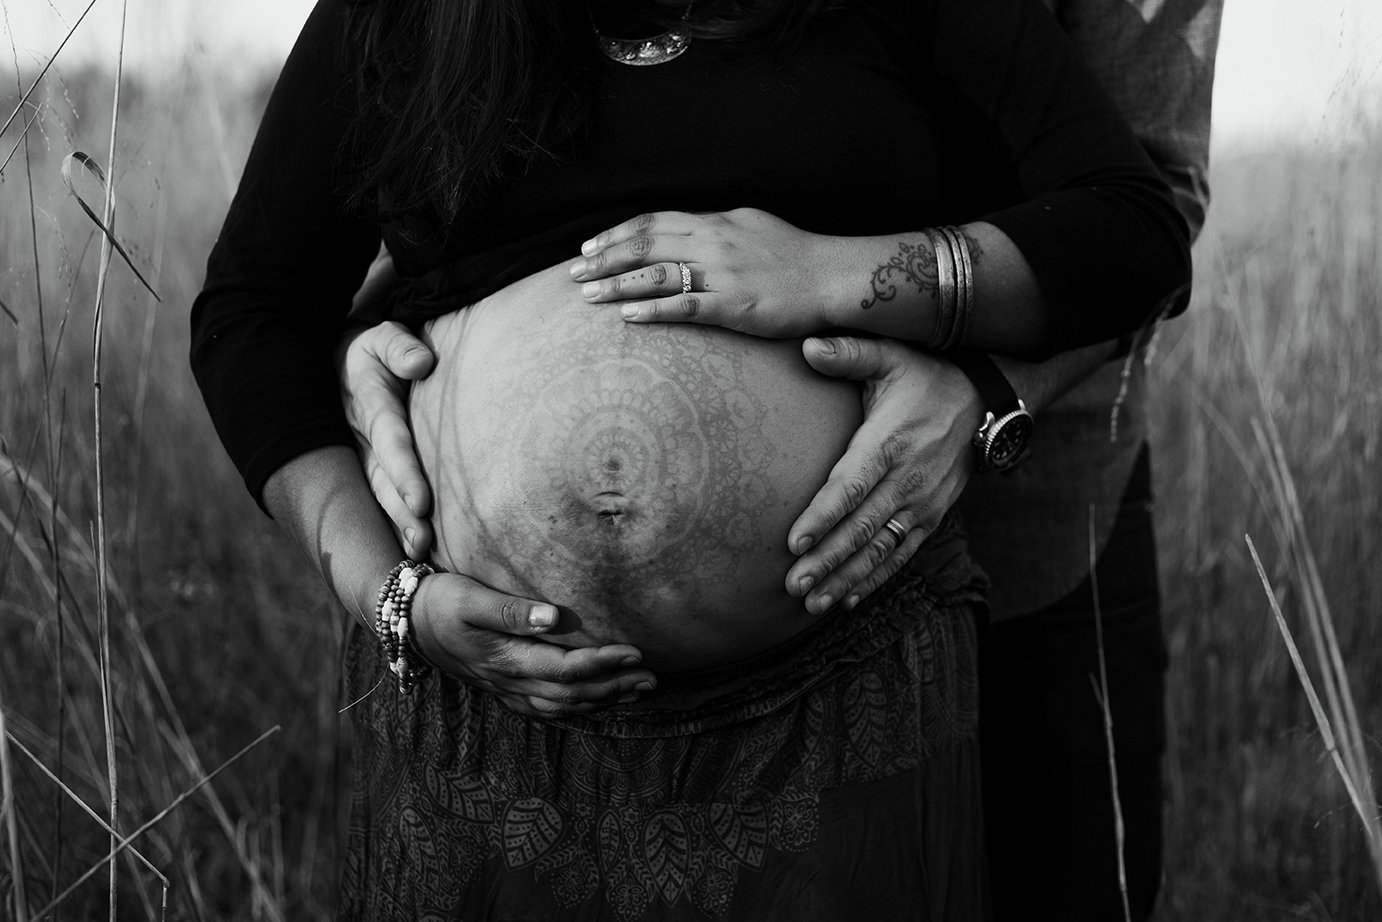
x,y
487,639
908,462
374,366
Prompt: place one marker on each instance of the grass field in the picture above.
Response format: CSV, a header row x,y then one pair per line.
x,y
1268,406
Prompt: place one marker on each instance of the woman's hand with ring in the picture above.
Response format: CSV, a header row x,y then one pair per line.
x,y
749,271
904,467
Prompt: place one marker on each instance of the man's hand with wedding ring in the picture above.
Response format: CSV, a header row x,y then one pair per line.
x,y
904,468
896,529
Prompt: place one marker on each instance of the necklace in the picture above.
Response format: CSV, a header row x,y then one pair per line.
x,y
644,52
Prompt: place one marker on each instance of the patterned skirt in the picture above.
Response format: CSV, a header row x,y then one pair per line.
x,y
833,777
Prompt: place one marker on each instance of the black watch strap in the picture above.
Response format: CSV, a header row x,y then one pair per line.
x,y
1003,439
988,379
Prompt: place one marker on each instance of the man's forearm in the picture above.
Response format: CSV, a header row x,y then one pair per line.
x,y
1159,67
1040,384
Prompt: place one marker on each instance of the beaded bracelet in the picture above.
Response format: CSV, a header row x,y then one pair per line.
x,y
392,623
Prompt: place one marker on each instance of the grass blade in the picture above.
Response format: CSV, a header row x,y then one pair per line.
x,y
72,795
23,100
23,138
108,244
1120,834
124,843
104,225
1372,829
9,811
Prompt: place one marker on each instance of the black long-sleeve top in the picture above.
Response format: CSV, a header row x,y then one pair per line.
x,y
893,115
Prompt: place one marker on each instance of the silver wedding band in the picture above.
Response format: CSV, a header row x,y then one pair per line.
x,y
685,278
898,532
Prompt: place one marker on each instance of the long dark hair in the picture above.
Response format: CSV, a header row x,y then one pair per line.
x,y
453,91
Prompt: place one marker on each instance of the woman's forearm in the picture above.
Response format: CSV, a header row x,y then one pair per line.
x,y
321,498
890,286
754,273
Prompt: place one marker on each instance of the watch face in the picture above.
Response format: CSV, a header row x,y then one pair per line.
x,y
1007,444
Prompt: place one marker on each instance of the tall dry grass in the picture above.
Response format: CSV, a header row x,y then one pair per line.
x,y
1268,406
217,635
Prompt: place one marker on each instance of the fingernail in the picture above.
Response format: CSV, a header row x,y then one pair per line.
x,y
804,543
542,616
588,247
851,602
823,346
644,686
631,660
806,583
590,290
629,312
630,698
577,269
410,534
824,602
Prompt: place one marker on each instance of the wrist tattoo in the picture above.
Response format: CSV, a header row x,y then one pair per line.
x,y
914,263
975,250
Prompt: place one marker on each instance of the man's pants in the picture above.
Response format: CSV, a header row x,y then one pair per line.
x,y
1048,804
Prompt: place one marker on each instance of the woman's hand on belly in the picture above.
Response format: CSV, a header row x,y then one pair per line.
x,y
750,272
489,640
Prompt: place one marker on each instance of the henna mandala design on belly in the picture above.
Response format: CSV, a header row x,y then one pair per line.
x,y
644,468
629,463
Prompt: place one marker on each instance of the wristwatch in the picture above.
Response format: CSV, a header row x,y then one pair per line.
x,y
1004,439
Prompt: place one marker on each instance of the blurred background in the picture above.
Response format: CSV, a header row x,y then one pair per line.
x,y
1268,408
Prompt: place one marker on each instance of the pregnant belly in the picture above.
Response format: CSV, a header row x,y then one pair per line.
x,y
641,478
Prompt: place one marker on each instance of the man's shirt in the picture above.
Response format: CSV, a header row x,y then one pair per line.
x,y
1030,529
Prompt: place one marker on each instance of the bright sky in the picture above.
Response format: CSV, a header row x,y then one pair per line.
x,y
1299,70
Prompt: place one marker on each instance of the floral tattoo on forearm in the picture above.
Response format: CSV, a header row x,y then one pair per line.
x,y
913,262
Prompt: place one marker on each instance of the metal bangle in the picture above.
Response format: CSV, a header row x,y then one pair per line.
x,y
966,311
946,293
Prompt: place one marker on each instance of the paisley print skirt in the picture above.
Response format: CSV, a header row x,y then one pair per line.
x,y
835,777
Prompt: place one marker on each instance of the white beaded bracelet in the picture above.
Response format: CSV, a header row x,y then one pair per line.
x,y
393,624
